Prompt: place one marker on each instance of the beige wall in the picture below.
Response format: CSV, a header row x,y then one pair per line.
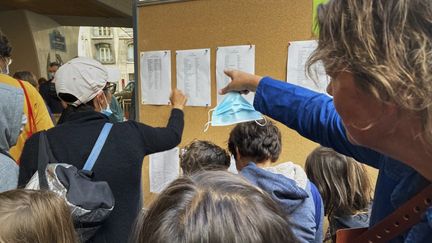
x,y
41,27
28,33
15,26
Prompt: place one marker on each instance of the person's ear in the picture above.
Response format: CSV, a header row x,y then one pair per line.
x,y
240,160
237,154
98,101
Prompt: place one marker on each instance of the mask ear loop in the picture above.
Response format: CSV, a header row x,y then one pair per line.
x,y
207,125
265,122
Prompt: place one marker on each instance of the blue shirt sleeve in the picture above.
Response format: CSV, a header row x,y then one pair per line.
x,y
312,115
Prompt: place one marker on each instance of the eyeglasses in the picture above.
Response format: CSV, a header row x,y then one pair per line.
x,y
111,87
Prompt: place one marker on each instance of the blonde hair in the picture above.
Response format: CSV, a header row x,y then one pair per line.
x,y
387,47
343,182
30,216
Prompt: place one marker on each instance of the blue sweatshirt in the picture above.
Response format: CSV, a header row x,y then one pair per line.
x,y
296,202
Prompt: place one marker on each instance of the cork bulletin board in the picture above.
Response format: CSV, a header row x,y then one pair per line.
x,y
268,24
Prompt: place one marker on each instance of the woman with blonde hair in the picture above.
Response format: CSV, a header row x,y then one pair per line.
x,y
378,55
30,216
344,187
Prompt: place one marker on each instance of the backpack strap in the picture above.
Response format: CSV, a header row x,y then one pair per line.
x,y
406,216
91,160
43,160
318,204
31,119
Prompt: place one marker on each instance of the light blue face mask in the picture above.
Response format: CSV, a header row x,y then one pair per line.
x,y
233,109
107,111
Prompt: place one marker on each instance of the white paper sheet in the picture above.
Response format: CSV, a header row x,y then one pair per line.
x,y
193,76
298,54
155,77
164,168
234,57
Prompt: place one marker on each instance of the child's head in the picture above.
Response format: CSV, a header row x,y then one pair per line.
x,y
203,155
212,206
251,142
343,182
35,216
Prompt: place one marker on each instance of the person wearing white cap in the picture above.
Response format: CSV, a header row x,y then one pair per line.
x,y
80,83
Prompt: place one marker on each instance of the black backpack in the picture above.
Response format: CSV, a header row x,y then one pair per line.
x,y
90,202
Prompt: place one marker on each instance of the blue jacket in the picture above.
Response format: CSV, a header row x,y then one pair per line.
x,y
313,116
296,202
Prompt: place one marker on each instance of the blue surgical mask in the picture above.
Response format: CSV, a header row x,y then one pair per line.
x,y
50,75
107,111
233,109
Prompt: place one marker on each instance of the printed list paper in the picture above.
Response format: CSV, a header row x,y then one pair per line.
x,y
193,76
155,77
163,169
234,57
298,54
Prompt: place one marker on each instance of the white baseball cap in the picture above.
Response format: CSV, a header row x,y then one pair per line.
x,y
81,77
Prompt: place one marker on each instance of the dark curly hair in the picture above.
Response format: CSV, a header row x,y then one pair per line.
x,y
5,47
203,155
257,142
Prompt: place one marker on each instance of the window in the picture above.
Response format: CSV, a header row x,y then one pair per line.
x,y
130,53
103,53
102,31
131,76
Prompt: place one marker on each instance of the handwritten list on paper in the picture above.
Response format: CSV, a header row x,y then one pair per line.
x,y
298,54
234,57
193,76
163,169
155,77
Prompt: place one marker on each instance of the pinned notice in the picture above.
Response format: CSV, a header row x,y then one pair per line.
x,y
155,77
164,168
234,57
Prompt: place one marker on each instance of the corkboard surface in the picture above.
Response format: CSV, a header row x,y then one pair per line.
x,y
268,24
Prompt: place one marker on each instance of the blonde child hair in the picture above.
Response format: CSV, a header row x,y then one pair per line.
x,y
31,216
342,182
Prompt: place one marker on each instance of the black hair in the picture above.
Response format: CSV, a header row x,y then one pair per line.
x,y
203,155
5,47
70,109
52,64
257,142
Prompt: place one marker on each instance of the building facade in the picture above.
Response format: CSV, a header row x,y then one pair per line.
x,y
111,46
37,40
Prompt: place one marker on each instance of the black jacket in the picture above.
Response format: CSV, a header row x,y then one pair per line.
x,y
48,93
119,162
